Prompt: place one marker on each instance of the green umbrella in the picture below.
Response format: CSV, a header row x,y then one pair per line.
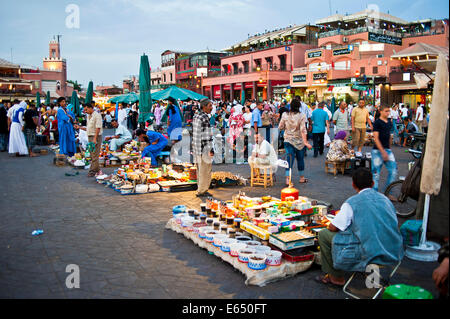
x,y
145,98
89,93
47,99
177,94
125,98
76,103
38,100
242,96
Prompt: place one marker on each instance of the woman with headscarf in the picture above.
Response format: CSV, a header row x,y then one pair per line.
x,y
339,151
65,129
157,113
174,121
17,143
236,123
267,118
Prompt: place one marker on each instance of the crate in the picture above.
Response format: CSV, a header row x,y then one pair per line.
x,y
304,242
255,230
295,255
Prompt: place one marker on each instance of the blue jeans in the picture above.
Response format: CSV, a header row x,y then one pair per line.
x,y
3,141
291,154
377,164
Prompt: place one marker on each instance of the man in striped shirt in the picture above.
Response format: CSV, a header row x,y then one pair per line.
x,y
203,147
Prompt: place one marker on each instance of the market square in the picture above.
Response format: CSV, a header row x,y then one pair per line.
x,y
253,171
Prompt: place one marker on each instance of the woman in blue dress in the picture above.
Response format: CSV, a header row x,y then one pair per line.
x,y
175,123
65,129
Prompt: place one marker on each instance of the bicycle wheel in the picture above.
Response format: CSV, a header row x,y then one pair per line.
x,y
404,208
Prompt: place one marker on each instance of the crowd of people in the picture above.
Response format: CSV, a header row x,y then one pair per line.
x,y
295,123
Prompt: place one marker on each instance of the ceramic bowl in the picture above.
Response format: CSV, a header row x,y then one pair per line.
x,y
196,226
244,253
253,243
273,258
226,244
243,239
218,239
178,217
126,190
209,235
235,247
257,261
202,231
262,249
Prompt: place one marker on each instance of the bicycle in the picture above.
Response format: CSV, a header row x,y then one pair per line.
x,y
404,204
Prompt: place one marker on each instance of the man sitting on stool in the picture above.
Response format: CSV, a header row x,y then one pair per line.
x,y
364,232
122,136
157,143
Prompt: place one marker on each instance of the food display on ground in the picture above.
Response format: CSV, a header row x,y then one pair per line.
x,y
221,178
108,158
265,238
141,178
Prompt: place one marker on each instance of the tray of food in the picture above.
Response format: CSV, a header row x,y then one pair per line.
x,y
292,240
255,230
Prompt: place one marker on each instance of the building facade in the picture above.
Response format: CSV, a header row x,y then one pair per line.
x,y
354,57
260,63
23,82
191,69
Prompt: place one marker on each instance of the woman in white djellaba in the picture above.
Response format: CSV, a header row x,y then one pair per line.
x,y
17,143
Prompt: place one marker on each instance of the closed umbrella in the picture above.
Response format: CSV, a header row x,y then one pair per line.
x,y
38,107
333,105
242,96
47,99
76,103
145,98
433,160
89,93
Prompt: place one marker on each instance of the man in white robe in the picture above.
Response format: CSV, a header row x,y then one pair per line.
x,y
17,143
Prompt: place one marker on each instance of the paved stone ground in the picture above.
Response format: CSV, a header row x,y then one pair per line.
x,y
122,247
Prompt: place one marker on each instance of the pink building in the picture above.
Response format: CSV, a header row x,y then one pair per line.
x,y
260,63
353,57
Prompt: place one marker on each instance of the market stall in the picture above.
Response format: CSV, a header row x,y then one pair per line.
x,y
265,238
140,178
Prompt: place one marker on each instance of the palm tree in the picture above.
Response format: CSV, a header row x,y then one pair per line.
x,y
76,86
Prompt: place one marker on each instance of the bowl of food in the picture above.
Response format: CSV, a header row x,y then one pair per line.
x,y
226,244
253,243
202,231
196,226
209,235
243,239
273,258
126,189
218,239
262,249
235,247
257,261
244,253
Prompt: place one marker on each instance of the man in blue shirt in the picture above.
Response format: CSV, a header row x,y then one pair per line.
x,y
319,119
157,143
256,117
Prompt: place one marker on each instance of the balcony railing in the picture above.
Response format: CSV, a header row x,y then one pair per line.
x,y
358,30
255,69
9,75
264,46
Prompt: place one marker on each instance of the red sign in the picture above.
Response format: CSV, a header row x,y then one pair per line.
x,y
227,87
237,86
248,85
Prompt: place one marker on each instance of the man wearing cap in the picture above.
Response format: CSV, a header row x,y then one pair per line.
x,y
121,135
202,147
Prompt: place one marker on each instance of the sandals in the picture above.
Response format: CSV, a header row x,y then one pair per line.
x,y
326,280
305,180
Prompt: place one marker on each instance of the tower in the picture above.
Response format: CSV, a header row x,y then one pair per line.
x,y
55,63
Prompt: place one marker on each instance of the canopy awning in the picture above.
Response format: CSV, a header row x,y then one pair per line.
x,y
409,86
342,90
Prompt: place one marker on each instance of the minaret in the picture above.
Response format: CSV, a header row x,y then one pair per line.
x,y
54,62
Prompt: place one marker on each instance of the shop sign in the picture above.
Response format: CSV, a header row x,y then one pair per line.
x,y
384,38
341,51
319,76
279,90
299,78
359,87
314,54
